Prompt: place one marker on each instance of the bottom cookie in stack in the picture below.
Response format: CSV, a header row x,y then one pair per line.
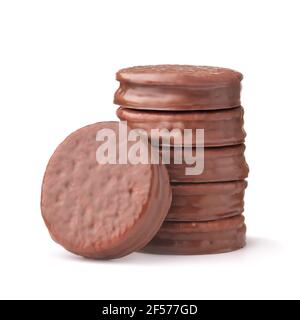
x,y
219,236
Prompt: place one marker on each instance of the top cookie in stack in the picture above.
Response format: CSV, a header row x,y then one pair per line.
x,y
178,88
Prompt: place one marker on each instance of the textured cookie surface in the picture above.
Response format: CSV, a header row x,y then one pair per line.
x,y
220,236
101,210
179,75
178,87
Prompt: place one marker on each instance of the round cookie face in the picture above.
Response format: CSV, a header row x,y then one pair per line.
x,y
220,164
221,127
206,201
212,237
179,75
178,87
101,210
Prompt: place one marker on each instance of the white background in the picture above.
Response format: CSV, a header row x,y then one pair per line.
x,y
57,73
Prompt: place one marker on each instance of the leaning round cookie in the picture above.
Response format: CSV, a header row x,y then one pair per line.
x,y
221,127
206,201
188,238
101,210
216,164
178,87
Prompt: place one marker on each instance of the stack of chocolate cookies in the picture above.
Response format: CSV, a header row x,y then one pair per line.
x,y
188,199
206,210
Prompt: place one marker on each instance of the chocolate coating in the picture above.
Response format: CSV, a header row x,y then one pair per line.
x,y
221,128
220,164
178,87
199,237
207,201
101,210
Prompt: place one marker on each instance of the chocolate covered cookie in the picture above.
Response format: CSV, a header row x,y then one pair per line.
x,y
178,87
221,127
182,238
220,164
207,201
101,210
